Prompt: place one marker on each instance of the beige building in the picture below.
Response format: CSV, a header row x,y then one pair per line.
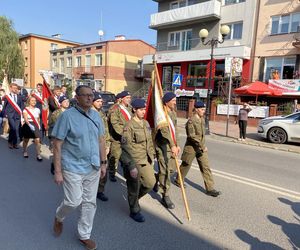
x,y
277,48
35,49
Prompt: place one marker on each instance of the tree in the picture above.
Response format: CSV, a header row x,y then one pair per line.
x,y
11,57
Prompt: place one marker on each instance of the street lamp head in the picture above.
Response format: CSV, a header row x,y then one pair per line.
x,y
203,34
224,30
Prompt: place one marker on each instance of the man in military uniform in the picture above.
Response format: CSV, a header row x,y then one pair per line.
x,y
97,105
114,106
195,147
137,158
118,118
167,149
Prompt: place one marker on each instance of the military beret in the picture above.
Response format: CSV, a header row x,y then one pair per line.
x,y
62,98
168,97
199,104
97,96
118,96
124,94
138,104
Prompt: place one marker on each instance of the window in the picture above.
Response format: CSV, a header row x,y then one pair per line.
x,y
54,63
196,75
178,4
69,61
98,47
279,68
78,61
87,63
26,62
180,40
25,45
98,60
236,31
285,24
61,64
54,46
78,50
168,75
233,1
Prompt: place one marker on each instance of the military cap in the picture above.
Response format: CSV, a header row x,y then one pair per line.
x,y
118,96
62,98
124,94
138,104
199,104
168,97
97,96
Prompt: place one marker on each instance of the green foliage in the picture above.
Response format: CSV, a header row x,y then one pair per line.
x,y
288,108
11,58
219,100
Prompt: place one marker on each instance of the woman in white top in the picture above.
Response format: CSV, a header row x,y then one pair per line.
x,y
31,127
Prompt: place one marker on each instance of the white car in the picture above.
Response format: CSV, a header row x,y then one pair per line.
x,y
280,129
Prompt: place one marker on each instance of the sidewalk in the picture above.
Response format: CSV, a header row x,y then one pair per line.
x,y
218,132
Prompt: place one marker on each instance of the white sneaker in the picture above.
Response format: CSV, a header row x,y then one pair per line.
x,y
243,140
239,139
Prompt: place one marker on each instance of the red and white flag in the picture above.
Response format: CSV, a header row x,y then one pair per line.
x,y
46,93
155,113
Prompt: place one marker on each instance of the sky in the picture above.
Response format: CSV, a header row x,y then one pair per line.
x,y
80,21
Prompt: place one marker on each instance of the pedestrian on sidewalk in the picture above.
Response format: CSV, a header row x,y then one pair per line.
x,y
243,120
79,161
195,147
31,128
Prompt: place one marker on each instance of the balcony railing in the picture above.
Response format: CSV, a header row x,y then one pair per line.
x,y
208,10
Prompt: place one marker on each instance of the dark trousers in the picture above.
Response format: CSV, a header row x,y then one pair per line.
x,y
14,125
243,127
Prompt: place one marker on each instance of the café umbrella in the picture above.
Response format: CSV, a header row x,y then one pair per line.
x,y
257,88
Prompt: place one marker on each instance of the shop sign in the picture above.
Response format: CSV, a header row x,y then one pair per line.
x,y
183,92
233,65
257,111
202,92
292,85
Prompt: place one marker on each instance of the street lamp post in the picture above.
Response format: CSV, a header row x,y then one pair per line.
x,y
203,34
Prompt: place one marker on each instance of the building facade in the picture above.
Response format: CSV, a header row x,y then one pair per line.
x,y
277,48
111,65
181,51
35,49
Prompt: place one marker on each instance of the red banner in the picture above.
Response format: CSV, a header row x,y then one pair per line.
x,y
46,93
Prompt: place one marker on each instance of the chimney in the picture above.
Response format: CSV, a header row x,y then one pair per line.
x,y
120,37
56,36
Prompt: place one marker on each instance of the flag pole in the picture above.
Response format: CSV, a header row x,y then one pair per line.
x,y
186,205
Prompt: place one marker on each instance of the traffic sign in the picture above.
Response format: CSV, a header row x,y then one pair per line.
x,y
177,80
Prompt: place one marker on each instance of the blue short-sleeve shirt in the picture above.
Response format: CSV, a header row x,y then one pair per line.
x,y
80,149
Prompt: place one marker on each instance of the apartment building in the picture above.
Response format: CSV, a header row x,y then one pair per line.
x,y
277,48
181,51
61,61
35,49
111,65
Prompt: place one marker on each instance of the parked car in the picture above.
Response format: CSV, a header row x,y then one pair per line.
x,y
280,129
108,100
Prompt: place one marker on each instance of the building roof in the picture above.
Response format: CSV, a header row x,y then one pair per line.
x,y
48,38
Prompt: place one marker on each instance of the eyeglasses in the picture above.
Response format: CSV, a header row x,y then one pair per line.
x,y
87,95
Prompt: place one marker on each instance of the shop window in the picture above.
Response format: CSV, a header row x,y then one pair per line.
x,y
196,75
168,74
280,68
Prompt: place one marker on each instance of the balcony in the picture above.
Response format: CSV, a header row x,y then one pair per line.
x,y
206,11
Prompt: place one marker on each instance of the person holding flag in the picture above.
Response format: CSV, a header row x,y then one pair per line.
x,y
118,119
167,149
12,108
32,127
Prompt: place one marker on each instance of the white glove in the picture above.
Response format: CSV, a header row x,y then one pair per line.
x,y
31,127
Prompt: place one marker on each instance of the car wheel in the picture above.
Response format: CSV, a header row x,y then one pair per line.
x,y
277,135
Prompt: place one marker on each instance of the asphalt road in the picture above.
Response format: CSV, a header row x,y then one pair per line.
x,y
259,207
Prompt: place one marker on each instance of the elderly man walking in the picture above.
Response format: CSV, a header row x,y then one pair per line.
x,y
79,160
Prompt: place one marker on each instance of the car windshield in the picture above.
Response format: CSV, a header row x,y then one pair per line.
x,y
108,98
295,116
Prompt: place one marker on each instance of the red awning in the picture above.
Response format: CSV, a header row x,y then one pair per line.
x,y
257,88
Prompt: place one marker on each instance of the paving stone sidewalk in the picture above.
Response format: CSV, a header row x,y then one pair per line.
x,y
218,132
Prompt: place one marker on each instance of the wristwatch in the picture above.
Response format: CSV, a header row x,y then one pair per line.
x,y
103,162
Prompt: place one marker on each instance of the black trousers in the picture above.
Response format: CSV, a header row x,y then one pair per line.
x,y
14,125
243,127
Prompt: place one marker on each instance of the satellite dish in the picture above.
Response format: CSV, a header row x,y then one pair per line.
x,y
100,32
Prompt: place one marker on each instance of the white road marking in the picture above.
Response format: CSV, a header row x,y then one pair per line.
x,y
254,183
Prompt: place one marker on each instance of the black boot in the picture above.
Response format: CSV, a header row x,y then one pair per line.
x,y
167,203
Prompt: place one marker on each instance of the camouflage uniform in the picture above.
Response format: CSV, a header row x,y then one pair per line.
x,y
166,161
194,147
138,152
117,122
